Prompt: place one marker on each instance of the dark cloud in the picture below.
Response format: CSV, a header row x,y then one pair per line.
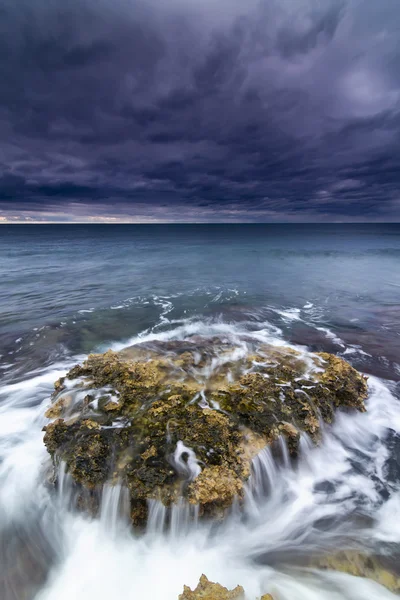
x,y
189,110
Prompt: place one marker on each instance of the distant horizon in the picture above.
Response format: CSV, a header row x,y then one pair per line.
x,y
199,223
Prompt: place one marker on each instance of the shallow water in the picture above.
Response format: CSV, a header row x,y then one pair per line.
x,y
66,291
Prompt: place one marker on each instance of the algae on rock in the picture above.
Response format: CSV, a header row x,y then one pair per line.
x,y
186,418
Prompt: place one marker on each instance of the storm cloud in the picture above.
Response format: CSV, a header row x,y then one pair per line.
x,y
200,110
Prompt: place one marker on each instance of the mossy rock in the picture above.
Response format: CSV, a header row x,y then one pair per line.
x,y
187,418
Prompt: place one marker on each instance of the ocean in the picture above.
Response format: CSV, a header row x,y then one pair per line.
x,y
69,290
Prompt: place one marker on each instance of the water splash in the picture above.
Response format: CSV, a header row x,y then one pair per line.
x,y
115,508
185,462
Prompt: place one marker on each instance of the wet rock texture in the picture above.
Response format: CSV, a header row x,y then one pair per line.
x,y
382,569
206,590
187,418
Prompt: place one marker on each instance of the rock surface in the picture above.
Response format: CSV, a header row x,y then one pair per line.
x,y
206,590
381,569
187,418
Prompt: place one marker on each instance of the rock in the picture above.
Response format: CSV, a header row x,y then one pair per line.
x,y
360,564
216,484
206,590
186,419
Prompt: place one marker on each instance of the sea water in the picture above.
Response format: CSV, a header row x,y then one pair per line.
x,y
66,291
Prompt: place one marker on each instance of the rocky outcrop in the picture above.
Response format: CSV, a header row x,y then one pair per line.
x,y
206,590
187,418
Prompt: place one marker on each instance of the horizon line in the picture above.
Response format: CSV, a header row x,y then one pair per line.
x,y
200,223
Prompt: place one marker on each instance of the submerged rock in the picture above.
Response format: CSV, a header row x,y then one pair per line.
x,y
187,418
381,569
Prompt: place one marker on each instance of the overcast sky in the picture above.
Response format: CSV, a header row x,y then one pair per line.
x,y
200,110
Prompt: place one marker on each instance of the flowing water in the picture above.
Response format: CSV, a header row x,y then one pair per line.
x,y
68,290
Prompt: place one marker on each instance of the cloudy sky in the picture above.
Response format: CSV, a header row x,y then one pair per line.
x,y
200,110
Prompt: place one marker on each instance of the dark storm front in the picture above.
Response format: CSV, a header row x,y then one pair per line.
x,y
74,288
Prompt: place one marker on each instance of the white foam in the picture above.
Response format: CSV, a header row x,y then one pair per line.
x,y
206,328
185,462
290,314
332,336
